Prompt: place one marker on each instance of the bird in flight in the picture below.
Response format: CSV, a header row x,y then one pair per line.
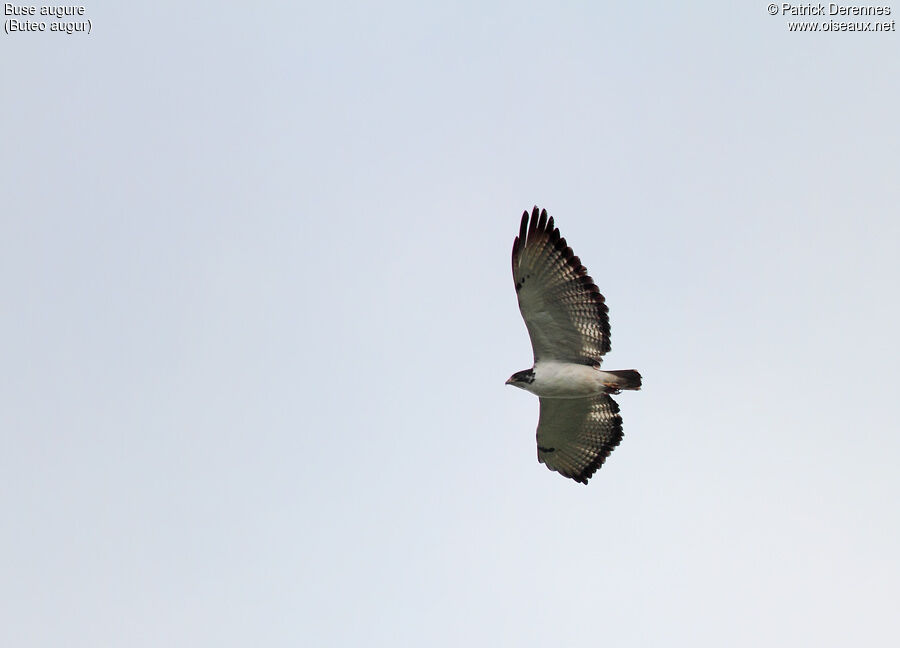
x,y
567,321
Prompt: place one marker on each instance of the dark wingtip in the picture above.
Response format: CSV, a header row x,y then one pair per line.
x,y
532,226
542,221
520,240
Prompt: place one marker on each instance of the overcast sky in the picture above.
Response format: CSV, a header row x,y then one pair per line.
x,y
258,315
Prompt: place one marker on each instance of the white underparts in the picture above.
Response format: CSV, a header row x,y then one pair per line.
x,y
568,380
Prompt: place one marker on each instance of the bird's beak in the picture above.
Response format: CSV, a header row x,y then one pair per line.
x,y
509,382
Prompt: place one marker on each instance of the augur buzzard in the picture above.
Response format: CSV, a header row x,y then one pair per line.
x,y
568,324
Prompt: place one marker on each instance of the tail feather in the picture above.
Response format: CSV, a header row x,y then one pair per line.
x,y
626,379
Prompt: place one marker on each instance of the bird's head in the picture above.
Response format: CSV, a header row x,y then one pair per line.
x,y
521,378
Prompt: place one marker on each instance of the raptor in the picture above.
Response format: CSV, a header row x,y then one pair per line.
x,y
568,323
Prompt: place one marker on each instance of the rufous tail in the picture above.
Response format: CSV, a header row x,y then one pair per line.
x,y
626,379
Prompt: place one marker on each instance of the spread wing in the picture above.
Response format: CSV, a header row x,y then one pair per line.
x,y
563,309
576,435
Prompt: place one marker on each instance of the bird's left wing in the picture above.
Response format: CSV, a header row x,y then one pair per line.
x,y
576,435
564,311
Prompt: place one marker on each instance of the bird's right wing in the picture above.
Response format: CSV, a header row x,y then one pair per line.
x,y
576,435
564,311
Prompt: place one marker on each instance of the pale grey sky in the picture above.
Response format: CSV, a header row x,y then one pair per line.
x,y
254,262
